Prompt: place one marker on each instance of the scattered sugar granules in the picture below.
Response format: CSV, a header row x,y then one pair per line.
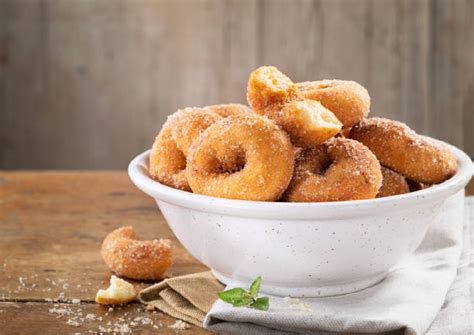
x,y
179,325
297,304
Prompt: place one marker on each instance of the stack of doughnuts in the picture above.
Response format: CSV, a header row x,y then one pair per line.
x,y
298,142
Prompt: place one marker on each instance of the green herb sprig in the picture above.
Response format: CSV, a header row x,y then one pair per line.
x,y
239,297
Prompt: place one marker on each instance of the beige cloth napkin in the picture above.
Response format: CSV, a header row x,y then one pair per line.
x,y
188,298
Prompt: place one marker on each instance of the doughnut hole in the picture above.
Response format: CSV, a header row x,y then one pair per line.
x,y
308,123
338,170
246,158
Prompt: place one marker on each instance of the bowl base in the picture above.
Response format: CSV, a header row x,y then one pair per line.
x,y
307,291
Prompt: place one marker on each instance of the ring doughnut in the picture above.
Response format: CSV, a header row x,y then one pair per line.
x,y
168,155
226,110
129,257
392,184
246,157
401,149
188,123
274,95
340,169
348,100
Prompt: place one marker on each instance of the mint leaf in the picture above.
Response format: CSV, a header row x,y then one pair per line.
x,y
239,297
255,287
261,303
232,295
246,301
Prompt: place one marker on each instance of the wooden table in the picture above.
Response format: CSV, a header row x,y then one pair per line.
x,y
51,228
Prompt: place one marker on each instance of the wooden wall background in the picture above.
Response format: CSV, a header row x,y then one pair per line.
x,y
87,84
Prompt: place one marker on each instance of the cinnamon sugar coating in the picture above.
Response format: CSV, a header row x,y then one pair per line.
x,y
127,256
393,183
348,100
401,149
338,170
244,157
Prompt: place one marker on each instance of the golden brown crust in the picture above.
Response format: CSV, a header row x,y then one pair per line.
x,y
168,155
246,157
130,257
307,122
401,149
338,170
268,90
274,95
348,100
226,110
167,163
392,184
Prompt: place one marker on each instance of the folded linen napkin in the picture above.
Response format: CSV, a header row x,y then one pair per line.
x,y
406,302
187,298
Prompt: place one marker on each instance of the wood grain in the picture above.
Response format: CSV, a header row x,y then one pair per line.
x,y
32,318
52,225
87,84
51,228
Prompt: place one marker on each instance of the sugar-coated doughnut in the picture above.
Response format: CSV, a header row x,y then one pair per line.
x,y
127,256
393,183
307,122
401,149
348,100
168,155
226,110
337,170
245,157
268,90
188,123
274,95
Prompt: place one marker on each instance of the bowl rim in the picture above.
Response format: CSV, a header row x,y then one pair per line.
x,y
138,173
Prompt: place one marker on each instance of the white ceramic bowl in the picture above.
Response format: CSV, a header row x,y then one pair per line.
x,y
303,249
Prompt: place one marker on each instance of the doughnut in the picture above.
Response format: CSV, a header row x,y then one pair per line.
x,y
188,123
244,157
168,155
392,184
268,90
127,256
274,95
226,110
339,169
348,100
401,149
308,122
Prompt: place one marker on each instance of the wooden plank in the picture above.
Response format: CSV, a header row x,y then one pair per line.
x,y
397,60
50,318
87,84
52,227
24,68
468,75
240,52
451,69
